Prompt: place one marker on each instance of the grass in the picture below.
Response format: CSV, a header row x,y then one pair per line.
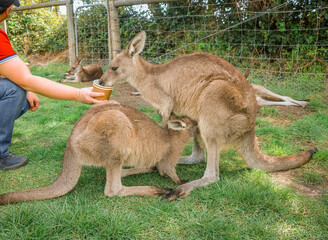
x,y
244,204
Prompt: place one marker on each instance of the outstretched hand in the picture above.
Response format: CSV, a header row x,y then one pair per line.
x,y
87,96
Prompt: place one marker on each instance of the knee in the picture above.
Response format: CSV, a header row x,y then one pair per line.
x,y
10,90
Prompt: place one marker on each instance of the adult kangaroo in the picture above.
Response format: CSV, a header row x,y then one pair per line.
x,y
113,135
209,90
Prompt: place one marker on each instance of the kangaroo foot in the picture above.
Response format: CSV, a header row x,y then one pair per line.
x,y
164,191
180,192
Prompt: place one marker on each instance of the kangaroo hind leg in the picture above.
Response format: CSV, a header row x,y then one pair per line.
x,y
132,171
211,174
114,185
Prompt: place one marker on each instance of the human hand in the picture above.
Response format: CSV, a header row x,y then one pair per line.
x,y
87,96
33,100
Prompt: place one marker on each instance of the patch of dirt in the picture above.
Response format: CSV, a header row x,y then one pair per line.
x,y
42,60
123,95
287,179
297,112
287,114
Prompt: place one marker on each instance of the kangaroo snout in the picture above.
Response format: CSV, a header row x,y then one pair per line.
x,y
101,82
104,82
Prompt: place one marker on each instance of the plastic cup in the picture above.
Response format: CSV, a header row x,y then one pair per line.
x,y
98,88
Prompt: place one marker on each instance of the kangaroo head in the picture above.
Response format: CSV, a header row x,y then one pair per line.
x,y
75,67
123,65
183,123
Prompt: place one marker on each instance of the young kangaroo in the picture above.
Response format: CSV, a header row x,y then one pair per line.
x,y
209,90
83,74
112,136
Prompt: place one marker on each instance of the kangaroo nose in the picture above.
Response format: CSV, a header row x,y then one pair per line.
x,y
101,81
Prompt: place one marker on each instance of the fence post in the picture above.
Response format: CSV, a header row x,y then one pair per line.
x,y
113,29
71,35
327,83
3,26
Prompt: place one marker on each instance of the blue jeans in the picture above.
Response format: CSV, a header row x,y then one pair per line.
x,y
13,104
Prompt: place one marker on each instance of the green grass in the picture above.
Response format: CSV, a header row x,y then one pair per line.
x,y
244,204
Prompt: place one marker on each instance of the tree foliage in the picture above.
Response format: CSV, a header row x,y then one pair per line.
x,y
296,30
41,30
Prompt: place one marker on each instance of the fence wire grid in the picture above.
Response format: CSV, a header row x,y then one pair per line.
x,y
285,46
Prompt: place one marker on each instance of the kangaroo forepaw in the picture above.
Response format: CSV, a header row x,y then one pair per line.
x,y
313,151
170,196
164,191
178,193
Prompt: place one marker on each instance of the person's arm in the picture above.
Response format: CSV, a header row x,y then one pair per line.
x,y
16,70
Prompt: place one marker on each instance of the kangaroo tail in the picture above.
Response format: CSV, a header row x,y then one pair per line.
x,y
248,148
65,183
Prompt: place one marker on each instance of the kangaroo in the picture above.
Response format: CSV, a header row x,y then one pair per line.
x,y
208,90
265,97
112,135
83,74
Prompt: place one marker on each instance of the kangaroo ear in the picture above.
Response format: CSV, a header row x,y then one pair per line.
x,y
247,73
177,124
78,68
77,59
137,44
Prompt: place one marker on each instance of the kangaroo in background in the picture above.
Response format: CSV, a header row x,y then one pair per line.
x,y
209,90
83,74
265,97
112,135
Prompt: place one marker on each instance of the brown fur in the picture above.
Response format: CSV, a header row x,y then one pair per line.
x,y
209,90
112,136
83,74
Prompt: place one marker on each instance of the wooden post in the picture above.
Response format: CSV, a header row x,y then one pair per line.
x,y
3,26
71,35
118,3
113,29
327,84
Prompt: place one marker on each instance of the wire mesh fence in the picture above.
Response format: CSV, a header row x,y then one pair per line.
x,y
92,33
285,45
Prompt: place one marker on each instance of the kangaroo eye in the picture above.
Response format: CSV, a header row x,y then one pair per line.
x,y
114,68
